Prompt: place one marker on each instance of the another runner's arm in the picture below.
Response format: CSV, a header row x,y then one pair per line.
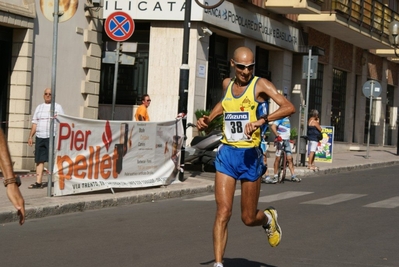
x,y
203,122
273,127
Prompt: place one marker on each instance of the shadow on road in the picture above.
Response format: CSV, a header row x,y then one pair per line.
x,y
239,262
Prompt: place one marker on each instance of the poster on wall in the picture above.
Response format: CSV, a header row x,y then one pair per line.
x,y
94,155
324,150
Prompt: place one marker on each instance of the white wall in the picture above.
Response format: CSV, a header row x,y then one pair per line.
x,y
70,51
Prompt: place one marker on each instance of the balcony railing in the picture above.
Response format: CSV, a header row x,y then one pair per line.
x,y
369,14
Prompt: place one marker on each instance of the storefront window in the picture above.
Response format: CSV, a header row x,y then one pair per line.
x,y
218,69
388,115
262,63
338,104
5,63
132,79
316,89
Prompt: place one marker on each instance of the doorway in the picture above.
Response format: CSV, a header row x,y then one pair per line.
x,y
5,63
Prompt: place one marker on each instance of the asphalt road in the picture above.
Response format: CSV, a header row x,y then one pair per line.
x,y
348,219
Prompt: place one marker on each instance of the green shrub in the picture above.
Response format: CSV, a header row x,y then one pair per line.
x,y
293,134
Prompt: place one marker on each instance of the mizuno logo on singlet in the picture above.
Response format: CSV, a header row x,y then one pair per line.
x,y
236,116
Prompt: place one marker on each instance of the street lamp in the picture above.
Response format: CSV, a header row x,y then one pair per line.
x,y
394,35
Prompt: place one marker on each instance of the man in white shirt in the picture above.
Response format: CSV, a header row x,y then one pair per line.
x,y
41,127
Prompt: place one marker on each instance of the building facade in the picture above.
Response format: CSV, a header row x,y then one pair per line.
x,y
353,35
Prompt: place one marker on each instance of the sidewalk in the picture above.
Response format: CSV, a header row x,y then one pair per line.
x,y
38,205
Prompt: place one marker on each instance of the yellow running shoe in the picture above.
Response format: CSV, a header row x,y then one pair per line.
x,y
273,230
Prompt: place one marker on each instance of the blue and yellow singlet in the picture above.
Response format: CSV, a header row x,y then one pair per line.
x,y
238,111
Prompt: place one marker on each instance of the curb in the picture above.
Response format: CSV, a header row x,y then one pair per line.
x,y
164,192
358,167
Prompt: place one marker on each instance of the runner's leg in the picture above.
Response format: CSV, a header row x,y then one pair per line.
x,y
224,195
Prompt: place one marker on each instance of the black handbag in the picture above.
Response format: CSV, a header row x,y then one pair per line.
x,y
319,136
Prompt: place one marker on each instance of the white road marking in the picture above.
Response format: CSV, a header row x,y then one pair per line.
x,y
389,203
283,195
334,199
211,197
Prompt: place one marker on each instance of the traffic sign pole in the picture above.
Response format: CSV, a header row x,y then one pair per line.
x,y
119,26
306,110
114,89
184,82
371,89
370,111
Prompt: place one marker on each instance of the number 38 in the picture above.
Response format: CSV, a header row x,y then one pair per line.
x,y
236,127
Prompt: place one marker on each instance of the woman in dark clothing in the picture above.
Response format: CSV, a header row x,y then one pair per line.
x,y
314,130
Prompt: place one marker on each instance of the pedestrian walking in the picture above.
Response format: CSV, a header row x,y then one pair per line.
x,y
41,127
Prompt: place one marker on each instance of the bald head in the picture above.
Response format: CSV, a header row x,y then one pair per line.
x,y
243,54
47,95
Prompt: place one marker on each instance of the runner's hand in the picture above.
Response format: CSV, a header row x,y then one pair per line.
x,y
251,127
203,123
15,196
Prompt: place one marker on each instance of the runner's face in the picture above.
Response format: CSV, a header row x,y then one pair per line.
x,y
244,67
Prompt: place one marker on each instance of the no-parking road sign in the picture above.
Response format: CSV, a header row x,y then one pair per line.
x,y
119,26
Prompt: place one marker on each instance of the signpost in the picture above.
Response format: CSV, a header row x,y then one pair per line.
x,y
119,26
309,71
371,89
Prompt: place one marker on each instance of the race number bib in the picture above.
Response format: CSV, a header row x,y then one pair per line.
x,y
234,125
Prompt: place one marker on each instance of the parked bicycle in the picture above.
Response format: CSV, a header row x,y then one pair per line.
x,y
283,162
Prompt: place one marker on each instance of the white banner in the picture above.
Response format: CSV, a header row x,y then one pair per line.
x,y
93,155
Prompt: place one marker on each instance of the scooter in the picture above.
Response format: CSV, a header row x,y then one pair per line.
x,y
202,151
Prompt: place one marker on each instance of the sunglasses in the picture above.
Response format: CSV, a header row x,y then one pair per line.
x,y
149,100
243,66
47,93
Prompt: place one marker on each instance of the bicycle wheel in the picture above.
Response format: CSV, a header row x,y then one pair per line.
x,y
211,4
282,167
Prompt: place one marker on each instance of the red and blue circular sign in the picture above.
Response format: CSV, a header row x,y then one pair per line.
x,y
119,26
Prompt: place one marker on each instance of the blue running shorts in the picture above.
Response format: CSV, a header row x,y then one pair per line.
x,y
240,163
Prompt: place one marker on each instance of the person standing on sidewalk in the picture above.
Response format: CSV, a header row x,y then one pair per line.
x,y
239,157
10,180
313,133
263,109
141,112
41,127
282,130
